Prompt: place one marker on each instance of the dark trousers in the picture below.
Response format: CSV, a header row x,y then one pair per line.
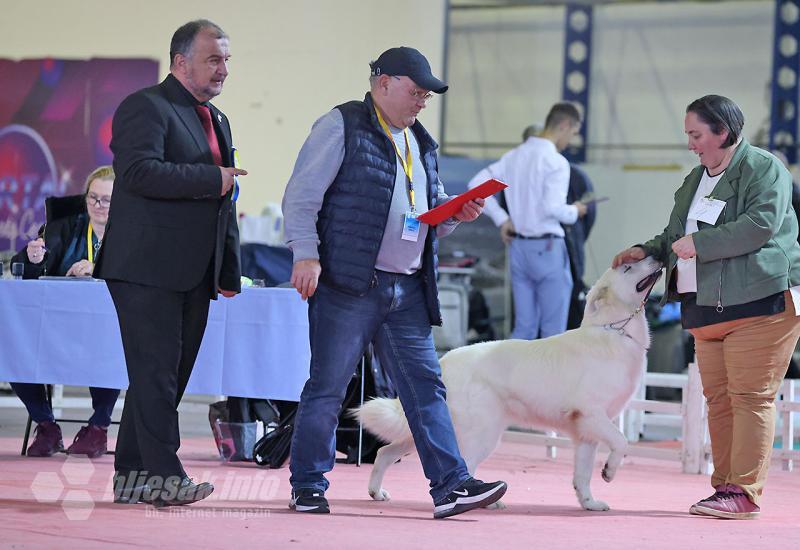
x,y
34,397
161,335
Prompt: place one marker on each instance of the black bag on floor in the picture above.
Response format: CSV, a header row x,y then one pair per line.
x,y
376,384
272,450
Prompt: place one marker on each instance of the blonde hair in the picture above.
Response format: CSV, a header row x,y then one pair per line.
x,y
102,173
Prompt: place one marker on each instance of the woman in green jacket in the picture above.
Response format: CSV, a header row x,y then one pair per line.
x,y
732,260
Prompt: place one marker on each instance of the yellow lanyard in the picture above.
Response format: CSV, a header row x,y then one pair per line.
x,y
407,163
89,246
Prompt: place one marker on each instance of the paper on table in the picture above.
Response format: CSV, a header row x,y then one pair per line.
x,y
454,205
65,278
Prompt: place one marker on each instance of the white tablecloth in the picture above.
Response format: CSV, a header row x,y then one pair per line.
x,y
66,332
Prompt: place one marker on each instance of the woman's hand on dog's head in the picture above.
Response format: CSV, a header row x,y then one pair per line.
x,y
628,256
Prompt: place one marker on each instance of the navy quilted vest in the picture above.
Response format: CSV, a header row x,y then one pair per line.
x,y
356,206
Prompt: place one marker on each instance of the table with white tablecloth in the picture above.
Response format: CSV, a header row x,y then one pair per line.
x,y
66,332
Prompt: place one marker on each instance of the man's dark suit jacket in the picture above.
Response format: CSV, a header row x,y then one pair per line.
x,y
167,220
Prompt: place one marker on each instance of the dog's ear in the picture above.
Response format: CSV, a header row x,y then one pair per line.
x,y
597,297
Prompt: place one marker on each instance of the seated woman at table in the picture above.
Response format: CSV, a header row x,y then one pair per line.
x,y
68,247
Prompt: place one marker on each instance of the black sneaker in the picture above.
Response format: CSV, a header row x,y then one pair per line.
x,y
473,493
311,501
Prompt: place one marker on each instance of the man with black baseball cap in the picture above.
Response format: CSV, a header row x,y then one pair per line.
x,y
367,266
405,61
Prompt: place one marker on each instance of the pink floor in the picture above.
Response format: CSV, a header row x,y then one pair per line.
x,y
60,503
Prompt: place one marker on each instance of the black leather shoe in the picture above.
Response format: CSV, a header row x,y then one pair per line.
x,y
179,492
133,493
136,495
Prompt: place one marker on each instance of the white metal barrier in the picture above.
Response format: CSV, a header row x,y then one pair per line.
x,y
690,415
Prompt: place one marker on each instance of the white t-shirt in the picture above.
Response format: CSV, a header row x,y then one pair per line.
x,y
687,269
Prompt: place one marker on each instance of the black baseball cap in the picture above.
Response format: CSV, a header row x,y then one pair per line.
x,y
405,61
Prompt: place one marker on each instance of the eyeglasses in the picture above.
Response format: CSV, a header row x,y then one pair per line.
x,y
418,95
98,202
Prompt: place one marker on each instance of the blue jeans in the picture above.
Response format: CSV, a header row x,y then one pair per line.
x,y
35,400
542,285
394,317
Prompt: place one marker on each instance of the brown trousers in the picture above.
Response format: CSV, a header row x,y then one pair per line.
x,y
742,364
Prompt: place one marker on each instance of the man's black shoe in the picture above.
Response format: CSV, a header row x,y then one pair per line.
x,y
311,501
134,495
130,490
471,494
178,492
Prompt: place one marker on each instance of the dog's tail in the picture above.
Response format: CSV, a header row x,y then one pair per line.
x,y
384,418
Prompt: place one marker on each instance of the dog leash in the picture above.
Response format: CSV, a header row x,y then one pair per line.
x,y
621,328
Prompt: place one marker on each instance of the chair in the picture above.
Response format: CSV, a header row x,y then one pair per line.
x,y
61,207
55,208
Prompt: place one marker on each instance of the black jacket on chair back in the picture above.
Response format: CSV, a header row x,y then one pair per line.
x,y
66,223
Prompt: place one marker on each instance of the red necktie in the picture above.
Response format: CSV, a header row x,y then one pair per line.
x,y
205,118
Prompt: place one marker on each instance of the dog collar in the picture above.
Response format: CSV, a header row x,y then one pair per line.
x,y
619,326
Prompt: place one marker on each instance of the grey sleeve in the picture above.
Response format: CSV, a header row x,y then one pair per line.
x,y
316,167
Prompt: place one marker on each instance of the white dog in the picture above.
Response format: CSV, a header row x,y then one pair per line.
x,y
576,383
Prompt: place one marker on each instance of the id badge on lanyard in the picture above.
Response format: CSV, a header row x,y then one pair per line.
x,y
410,227
410,222
707,210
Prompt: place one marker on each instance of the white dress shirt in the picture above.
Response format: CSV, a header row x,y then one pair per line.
x,y
538,180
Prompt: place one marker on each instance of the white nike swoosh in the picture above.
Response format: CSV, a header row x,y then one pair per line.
x,y
465,493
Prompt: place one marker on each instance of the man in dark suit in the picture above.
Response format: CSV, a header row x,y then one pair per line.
x,y
171,245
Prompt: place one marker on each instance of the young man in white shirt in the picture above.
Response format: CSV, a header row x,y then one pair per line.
x,y
538,179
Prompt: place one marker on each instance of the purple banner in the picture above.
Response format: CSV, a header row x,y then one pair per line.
x,y
55,128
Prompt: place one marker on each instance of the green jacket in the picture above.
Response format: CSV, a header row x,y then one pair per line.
x,y
752,251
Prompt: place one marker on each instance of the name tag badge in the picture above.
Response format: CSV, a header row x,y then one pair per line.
x,y
707,210
410,227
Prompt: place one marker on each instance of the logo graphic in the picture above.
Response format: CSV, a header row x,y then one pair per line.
x,y
68,487
75,488
27,176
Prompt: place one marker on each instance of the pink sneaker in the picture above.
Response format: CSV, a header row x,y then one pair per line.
x,y
47,441
719,490
732,504
91,441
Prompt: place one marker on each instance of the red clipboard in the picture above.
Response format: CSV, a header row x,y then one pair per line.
x,y
454,205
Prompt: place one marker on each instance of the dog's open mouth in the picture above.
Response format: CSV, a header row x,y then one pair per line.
x,y
648,281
